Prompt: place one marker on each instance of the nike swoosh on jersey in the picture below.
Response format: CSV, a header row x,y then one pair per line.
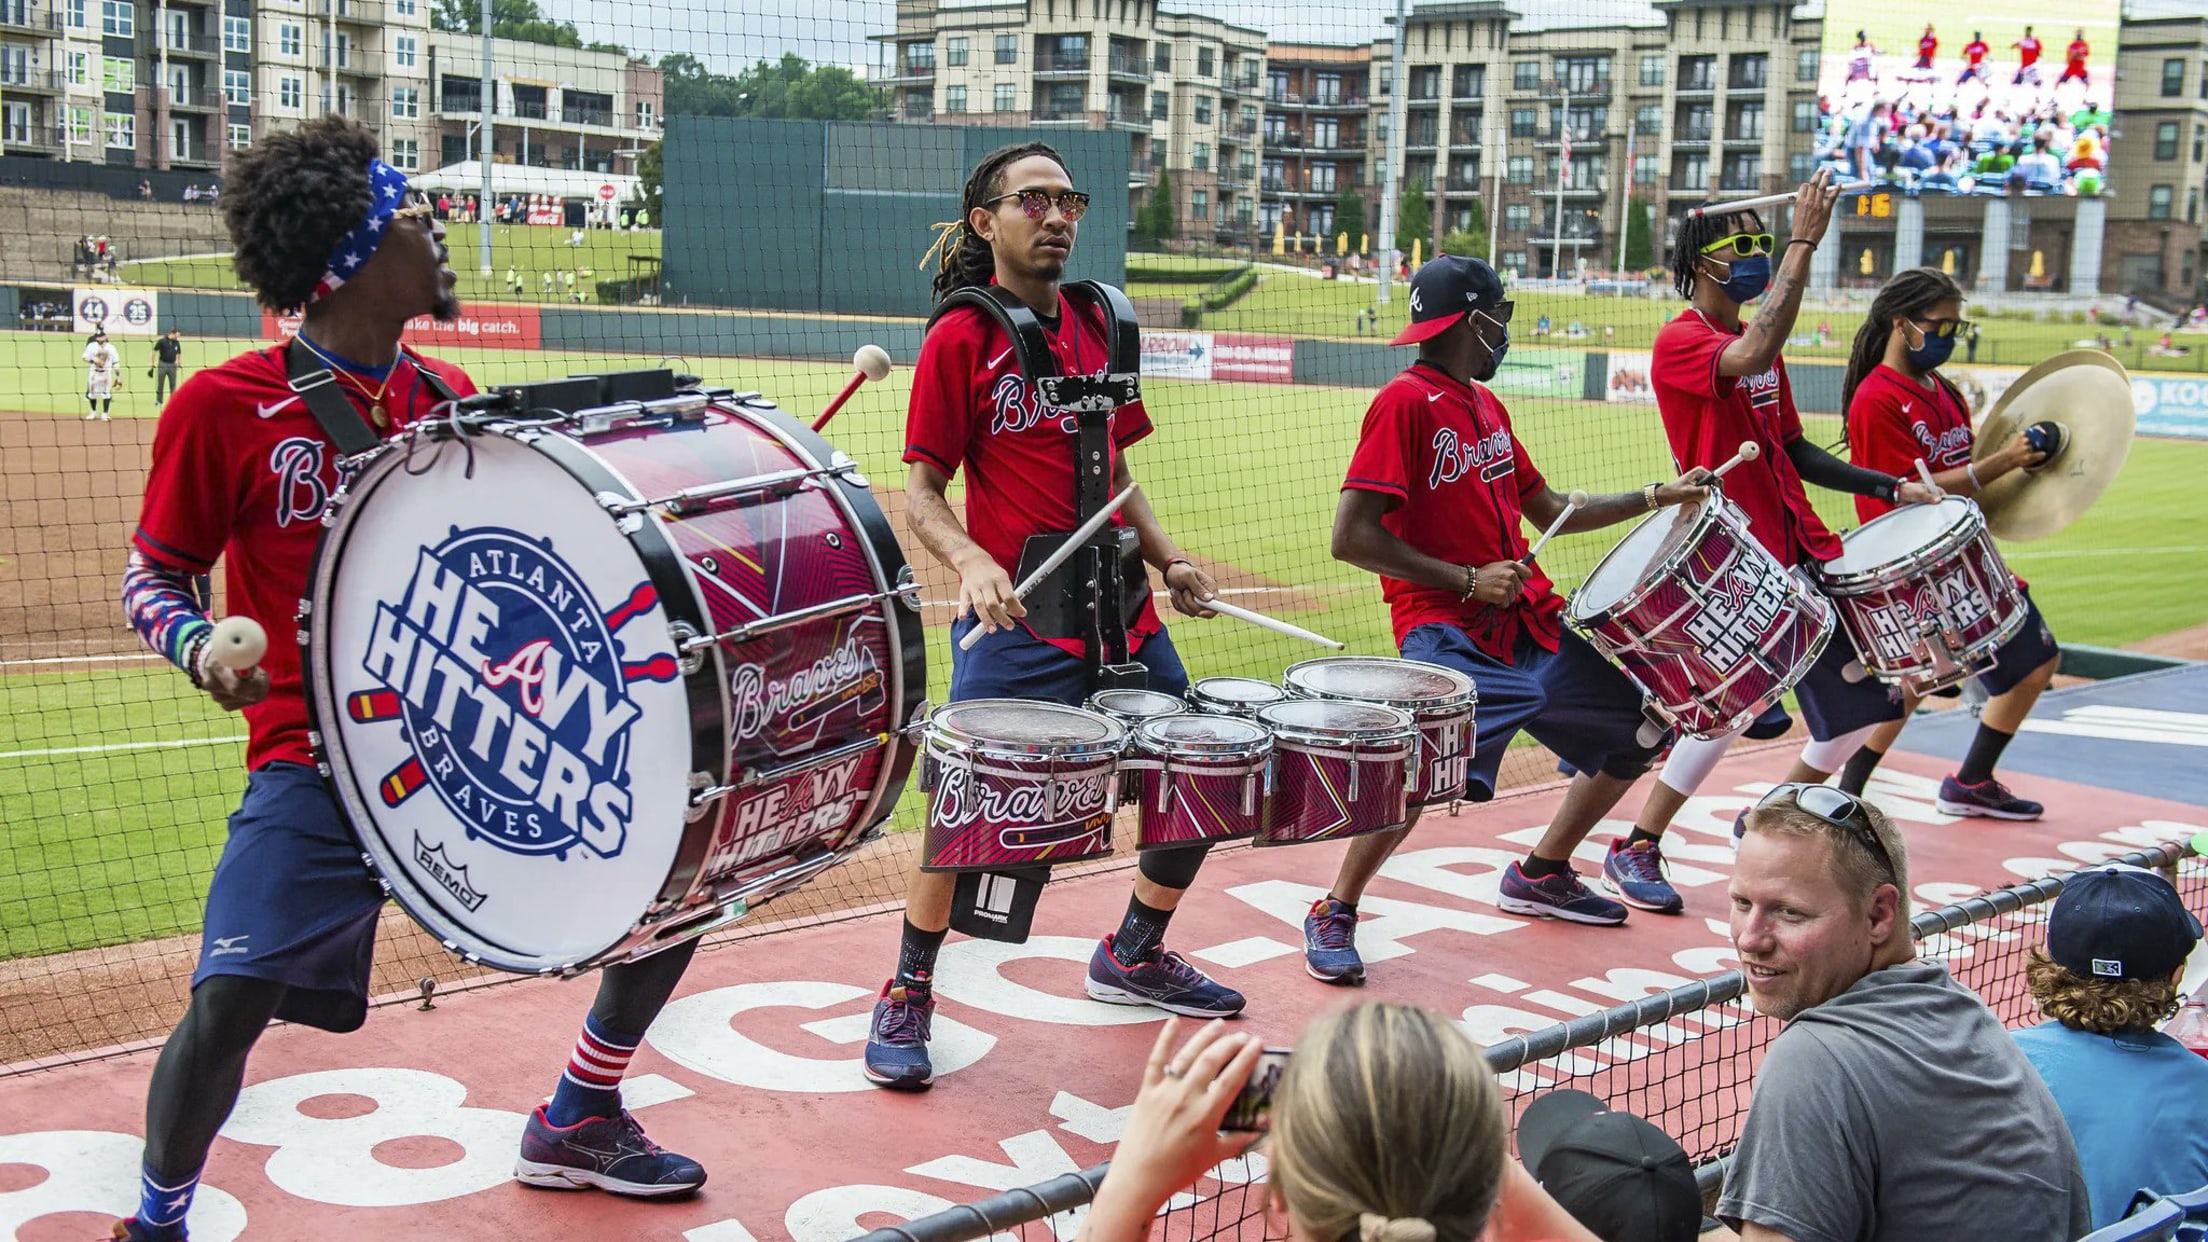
x,y
1432,397
999,359
1906,406
270,411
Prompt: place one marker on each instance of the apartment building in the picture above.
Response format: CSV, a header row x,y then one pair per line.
x,y
2158,160
1319,122
1187,89
553,107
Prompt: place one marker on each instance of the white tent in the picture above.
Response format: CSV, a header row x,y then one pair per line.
x,y
466,177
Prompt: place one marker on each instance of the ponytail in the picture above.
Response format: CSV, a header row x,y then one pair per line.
x,y
960,254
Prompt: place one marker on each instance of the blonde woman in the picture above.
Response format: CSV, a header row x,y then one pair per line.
x,y
1386,1127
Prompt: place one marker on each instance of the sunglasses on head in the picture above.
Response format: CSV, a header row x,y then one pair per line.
x,y
1742,245
1842,810
1942,329
1072,204
418,207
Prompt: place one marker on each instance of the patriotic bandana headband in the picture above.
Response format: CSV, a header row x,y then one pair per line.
x,y
386,194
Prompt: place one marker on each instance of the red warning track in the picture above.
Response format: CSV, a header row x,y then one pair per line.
x,y
408,1129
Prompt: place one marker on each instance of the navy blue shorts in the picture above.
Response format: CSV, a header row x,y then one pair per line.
x,y
1832,706
1573,701
292,902
1014,664
2032,646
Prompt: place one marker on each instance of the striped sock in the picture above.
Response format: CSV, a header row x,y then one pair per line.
x,y
591,1087
163,1203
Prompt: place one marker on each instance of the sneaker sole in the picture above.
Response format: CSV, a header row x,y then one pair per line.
x,y
1121,996
1347,978
1972,811
1676,906
562,1177
1518,905
899,1084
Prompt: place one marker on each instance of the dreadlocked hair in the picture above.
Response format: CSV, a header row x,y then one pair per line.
x,y
1908,294
290,199
962,257
1696,232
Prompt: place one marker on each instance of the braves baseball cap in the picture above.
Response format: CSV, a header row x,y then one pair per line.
x,y
2117,921
1616,1174
1443,290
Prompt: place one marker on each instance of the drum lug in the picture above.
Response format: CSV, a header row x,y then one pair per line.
x,y
689,659
841,462
908,588
703,794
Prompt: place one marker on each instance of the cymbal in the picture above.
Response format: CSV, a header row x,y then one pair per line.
x,y
2089,393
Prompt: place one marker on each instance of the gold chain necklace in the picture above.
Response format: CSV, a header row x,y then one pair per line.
x,y
377,413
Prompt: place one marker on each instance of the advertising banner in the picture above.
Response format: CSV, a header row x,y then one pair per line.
x,y
117,312
1218,356
2171,405
490,326
1629,370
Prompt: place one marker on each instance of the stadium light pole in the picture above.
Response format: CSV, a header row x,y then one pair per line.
x,y
1388,184
488,103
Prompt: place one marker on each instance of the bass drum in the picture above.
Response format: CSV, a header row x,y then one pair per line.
x,y
589,686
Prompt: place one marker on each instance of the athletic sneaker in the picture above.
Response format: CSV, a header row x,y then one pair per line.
x,y
129,1230
1636,873
1559,896
897,1045
1330,943
1164,980
609,1153
1989,799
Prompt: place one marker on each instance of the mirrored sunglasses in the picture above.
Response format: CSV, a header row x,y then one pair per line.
x,y
1840,809
1942,329
1072,204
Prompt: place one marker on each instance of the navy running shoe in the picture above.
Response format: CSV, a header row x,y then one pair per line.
x,y
1636,874
1559,896
1989,799
608,1153
1330,943
897,1045
1164,980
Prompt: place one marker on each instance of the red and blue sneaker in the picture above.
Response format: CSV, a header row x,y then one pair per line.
x,y
1988,799
1559,896
1636,874
1330,943
897,1044
1164,980
606,1153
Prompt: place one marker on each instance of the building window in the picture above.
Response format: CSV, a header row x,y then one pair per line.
x,y
1525,75
237,34
1199,157
122,133
290,92
1697,73
1203,62
1584,74
1692,172
118,73
2165,140
1161,58
1007,97
1008,51
1805,116
1159,103
920,57
2159,199
1203,110
1805,66
1645,170
2192,206
954,51
1743,169
954,99
1748,70
1326,133
79,68
80,126
73,11
1746,121
1425,81
1648,119
1319,178
1468,82
406,51
1199,205
291,40
1523,122
120,18
1518,217
1801,165
647,114
237,86
241,137
2173,77
1652,70
1520,170
406,103
406,154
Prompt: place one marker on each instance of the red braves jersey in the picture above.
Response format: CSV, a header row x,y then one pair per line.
x,y
1892,422
971,407
2078,51
1975,51
1445,451
1926,46
1707,416
2027,52
242,471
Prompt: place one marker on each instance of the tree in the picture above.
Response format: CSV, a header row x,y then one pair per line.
x,y
1164,221
651,175
1471,240
1349,215
1640,250
520,20
1413,217
790,88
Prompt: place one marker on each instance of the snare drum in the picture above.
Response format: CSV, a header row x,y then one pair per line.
x,y
1234,696
1708,624
1014,782
1131,708
1924,595
589,685
1440,699
1200,778
1339,770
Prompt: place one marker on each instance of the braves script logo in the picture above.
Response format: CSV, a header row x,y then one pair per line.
x,y
1763,392
805,697
514,695
1950,447
1453,459
301,495
1040,810
1741,605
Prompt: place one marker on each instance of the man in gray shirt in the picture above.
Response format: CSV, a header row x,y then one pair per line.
x,y
1894,1105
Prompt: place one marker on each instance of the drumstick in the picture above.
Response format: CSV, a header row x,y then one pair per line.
x,y
1749,451
1766,200
1925,472
1225,609
1572,504
872,362
238,643
1080,535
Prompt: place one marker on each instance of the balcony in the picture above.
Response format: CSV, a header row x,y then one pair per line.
x,y
1248,84
1581,138
527,110
1691,136
24,81
1699,84
358,12
1337,103
29,19
46,138
1459,185
178,44
196,99
1061,66
1133,120
1234,181
1135,69
1272,185
1592,90
910,75
571,115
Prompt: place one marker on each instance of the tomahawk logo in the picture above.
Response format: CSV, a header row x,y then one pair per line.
x,y
510,683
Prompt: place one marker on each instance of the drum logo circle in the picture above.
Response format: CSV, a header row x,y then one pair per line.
x,y
509,681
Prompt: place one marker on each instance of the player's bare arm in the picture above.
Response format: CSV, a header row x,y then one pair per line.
x,y
1760,342
1360,540
1543,507
984,589
1188,586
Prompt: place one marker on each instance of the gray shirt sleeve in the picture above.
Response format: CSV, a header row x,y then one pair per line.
x,y
1803,1166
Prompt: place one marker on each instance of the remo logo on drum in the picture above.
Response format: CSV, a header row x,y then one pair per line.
x,y
509,681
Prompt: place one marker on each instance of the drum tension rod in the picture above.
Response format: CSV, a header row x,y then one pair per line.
x,y
703,794
692,499
782,621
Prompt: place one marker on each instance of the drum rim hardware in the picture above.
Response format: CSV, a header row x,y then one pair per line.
x,y
1467,696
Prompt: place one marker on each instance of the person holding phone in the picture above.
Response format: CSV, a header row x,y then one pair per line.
x,y
1386,1124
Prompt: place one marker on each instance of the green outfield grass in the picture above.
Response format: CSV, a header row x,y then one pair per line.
x,y
111,846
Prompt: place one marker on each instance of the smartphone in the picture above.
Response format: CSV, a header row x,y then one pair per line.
x,y
1252,1109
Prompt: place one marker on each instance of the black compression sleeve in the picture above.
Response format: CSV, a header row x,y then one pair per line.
x,y
1822,468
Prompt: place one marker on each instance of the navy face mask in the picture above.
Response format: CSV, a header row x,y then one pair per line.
x,y
1934,351
1495,356
1748,278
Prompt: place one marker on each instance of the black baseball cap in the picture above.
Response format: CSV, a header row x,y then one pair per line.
x,y
1442,291
1616,1174
2120,922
